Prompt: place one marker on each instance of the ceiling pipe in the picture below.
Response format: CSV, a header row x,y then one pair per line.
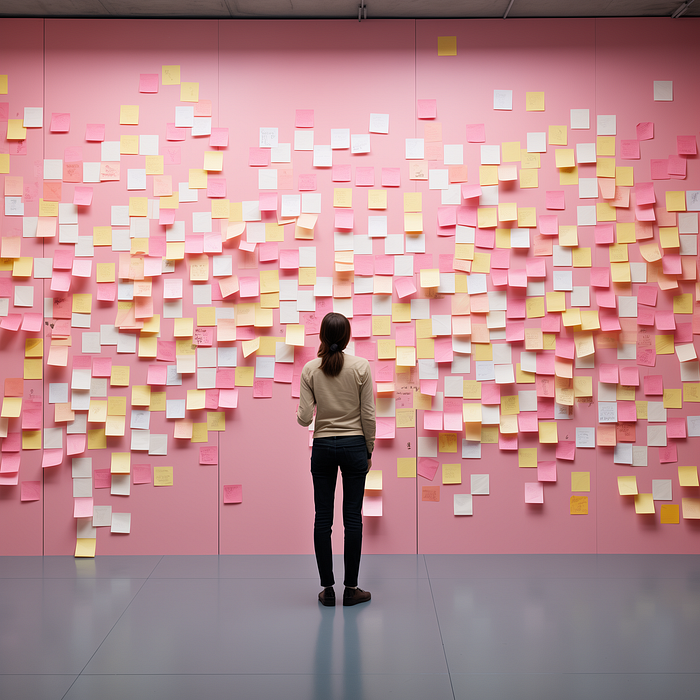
x,y
510,4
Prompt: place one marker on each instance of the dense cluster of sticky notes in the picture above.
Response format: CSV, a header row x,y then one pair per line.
x,y
536,289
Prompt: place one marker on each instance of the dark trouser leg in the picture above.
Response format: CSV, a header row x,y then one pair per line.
x,y
324,470
353,465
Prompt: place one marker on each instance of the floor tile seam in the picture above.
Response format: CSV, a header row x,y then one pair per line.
x,y
111,629
442,640
260,675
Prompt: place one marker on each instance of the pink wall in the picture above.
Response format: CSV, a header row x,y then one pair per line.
x,y
258,74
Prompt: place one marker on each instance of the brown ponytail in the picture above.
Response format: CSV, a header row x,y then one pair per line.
x,y
334,336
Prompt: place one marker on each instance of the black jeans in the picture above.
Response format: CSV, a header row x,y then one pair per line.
x,y
350,454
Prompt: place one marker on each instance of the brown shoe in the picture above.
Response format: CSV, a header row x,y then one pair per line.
x,y
327,597
353,596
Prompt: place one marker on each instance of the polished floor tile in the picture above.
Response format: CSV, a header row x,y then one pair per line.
x,y
54,626
472,627
339,686
35,687
272,626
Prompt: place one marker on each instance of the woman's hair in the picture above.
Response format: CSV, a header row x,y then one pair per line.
x,y
334,336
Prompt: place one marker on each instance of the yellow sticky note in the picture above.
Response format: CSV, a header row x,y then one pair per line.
x,y
197,179
216,421
413,222
121,463
669,514
534,307
3,84
688,476
171,75
155,165
381,325
85,547
430,277
451,473
245,376
578,505
675,201
447,442
644,503
16,130
487,217
162,476
581,481
129,114
548,432
447,46
627,485
376,199
527,457
605,145
624,176
342,197
138,206
534,101
129,145
295,334
605,167
510,152
189,92
557,135
529,179
672,398
119,375
564,158
140,395
406,467
665,345
213,161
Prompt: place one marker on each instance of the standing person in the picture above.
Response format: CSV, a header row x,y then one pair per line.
x,y
340,387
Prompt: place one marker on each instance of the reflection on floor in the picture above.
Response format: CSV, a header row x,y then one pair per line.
x,y
482,627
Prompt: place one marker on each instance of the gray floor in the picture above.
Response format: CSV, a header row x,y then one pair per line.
x,y
483,627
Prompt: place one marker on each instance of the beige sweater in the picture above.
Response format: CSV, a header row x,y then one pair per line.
x,y
344,404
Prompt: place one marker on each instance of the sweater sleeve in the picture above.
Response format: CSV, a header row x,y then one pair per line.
x,y
367,413
305,412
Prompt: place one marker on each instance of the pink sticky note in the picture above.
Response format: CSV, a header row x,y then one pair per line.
x,y
499,278
500,259
384,264
52,458
653,385
608,374
490,394
82,507
427,467
267,201
659,169
432,420
364,177
629,149
547,471
107,291
362,327
283,372
102,479
566,450
268,252
60,122
645,131
545,365
304,119
604,234
665,320
289,259
517,278
10,463
30,491
391,177
668,454
629,376
249,286
647,294
476,133
262,388
443,350
216,187
427,109
148,82
676,428
259,157
228,398
677,165
344,219
76,444
555,199
32,322
405,286
233,493
534,492
549,224
644,193
447,216
157,375
626,412
307,183
386,428
564,348
142,473
686,145
166,217
82,196
515,332
101,366
219,137
95,132
646,316
341,173
428,387
600,277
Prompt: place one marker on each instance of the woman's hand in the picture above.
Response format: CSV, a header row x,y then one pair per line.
x,y
369,465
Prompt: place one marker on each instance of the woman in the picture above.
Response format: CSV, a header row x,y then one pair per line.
x,y
340,387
